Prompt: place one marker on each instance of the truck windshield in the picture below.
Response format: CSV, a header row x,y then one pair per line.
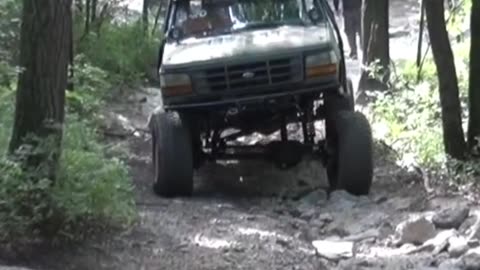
x,y
199,18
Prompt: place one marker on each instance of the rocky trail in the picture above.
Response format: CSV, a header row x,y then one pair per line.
x,y
250,215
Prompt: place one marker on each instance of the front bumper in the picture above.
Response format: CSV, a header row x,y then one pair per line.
x,y
225,99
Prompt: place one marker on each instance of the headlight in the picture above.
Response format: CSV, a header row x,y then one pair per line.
x,y
175,84
322,64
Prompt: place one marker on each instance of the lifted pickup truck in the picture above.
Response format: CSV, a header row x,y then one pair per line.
x,y
229,68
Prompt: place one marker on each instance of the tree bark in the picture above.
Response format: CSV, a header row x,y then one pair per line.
x,y
94,11
474,87
453,135
40,98
146,5
157,17
375,44
87,16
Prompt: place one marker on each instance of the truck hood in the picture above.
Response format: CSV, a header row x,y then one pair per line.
x,y
245,44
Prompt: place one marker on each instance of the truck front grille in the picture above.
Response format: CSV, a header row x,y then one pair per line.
x,y
253,74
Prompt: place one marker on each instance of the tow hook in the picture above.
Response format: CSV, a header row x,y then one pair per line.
x,y
232,111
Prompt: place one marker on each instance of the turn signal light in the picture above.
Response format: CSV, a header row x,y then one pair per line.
x,y
319,71
177,90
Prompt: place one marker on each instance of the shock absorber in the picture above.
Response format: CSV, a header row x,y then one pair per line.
x,y
308,125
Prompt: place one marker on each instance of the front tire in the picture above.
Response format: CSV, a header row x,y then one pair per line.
x,y
172,155
350,165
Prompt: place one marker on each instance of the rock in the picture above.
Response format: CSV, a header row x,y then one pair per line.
x,y
437,244
334,249
471,261
407,248
308,214
368,234
345,200
284,243
450,265
325,217
465,228
451,218
415,231
399,203
356,221
457,246
474,251
314,197
473,243
473,231
440,241
354,264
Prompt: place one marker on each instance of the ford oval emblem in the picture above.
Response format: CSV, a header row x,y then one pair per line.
x,y
248,75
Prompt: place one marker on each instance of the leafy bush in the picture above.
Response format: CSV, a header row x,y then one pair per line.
x,y
10,11
409,117
90,185
91,190
7,75
91,88
121,50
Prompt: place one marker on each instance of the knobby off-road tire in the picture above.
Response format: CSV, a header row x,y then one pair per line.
x,y
350,167
336,103
172,155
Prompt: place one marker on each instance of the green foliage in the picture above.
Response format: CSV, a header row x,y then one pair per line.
x,y
121,50
409,121
7,75
409,117
10,11
91,191
91,88
90,185
459,18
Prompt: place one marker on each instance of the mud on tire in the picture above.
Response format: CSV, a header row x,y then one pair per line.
x,y
350,166
172,155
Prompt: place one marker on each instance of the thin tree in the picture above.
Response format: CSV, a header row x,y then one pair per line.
x,y
474,87
375,44
157,17
146,6
88,9
94,11
40,98
453,135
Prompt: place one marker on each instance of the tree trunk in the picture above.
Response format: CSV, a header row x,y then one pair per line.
x,y
87,16
157,17
40,98
453,135
79,5
474,88
146,5
94,11
375,44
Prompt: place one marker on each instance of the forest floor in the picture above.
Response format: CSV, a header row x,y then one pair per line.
x,y
251,215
